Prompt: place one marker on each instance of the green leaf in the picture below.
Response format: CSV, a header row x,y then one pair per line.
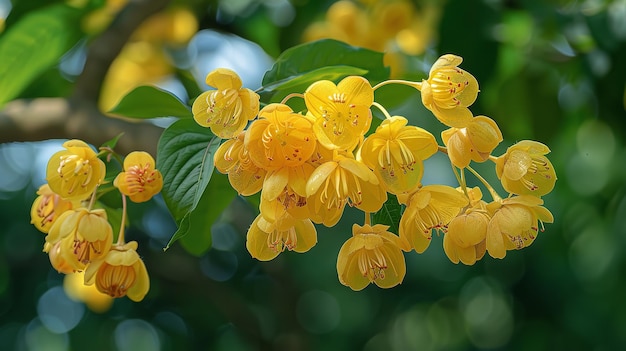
x,y
389,214
216,197
151,102
323,59
34,44
185,158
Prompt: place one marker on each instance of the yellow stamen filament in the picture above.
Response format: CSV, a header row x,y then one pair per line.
x,y
74,171
115,280
444,89
278,241
224,108
372,263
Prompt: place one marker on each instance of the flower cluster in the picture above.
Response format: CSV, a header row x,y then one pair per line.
x,y
309,165
80,238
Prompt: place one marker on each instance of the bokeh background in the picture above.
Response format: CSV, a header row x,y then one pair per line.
x,y
552,71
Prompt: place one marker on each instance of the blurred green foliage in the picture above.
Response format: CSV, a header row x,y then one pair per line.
x,y
549,70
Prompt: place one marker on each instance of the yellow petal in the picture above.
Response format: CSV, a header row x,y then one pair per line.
x,y
223,78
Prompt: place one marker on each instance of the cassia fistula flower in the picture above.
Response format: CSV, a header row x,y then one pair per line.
x,y
75,173
84,236
396,152
371,255
524,170
430,208
344,180
465,236
140,180
265,240
120,273
228,109
279,138
47,207
514,224
448,91
472,143
232,158
342,112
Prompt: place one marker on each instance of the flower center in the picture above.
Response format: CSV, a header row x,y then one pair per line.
x,y
137,177
224,107
115,280
444,88
279,240
372,263
74,171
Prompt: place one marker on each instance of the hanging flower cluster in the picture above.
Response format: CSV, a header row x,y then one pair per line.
x,y
80,238
308,165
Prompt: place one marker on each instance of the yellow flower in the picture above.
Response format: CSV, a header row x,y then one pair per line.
x,y
371,255
343,180
448,91
284,192
232,158
84,236
431,207
279,138
228,109
120,273
47,207
342,112
472,143
74,173
514,223
465,236
265,241
140,180
58,262
75,288
524,170
396,152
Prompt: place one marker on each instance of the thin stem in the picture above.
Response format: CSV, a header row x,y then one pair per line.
x,y
416,85
382,109
492,191
120,237
368,220
286,98
92,200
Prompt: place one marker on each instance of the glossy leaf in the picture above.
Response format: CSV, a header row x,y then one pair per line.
x,y
301,65
151,102
33,44
389,214
185,158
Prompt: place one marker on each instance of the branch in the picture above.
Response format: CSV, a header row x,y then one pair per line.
x,y
56,118
106,47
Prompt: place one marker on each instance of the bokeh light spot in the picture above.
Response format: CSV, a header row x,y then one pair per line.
x,y
136,335
58,312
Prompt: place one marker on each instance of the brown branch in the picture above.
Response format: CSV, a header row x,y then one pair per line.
x,y
56,118
105,48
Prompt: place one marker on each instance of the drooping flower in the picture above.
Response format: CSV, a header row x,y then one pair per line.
x,y
514,224
75,288
396,153
371,255
343,181
448,91
280,138
58,262
430,207
284,194
465,238
140,180
120,273
228,109
524,170
47,207
342,112
232,158
472,143
75,172
265,240
83,236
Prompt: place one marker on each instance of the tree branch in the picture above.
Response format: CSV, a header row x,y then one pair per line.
x,y
56,118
